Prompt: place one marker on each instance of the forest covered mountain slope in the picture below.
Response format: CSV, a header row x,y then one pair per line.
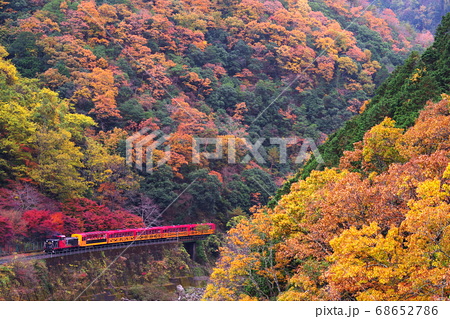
x,y
401,97
80,77
377,227
421,14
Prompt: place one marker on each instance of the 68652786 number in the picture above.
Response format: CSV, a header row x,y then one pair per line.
x,y
406,310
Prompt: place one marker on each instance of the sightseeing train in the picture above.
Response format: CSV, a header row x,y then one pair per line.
x,y
62,243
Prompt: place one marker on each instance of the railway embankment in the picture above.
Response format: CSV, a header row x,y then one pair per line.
x,y
139,273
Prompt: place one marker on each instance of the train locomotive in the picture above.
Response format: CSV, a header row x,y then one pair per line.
x,y
61,243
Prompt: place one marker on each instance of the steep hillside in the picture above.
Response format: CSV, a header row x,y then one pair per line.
x,y
79,78
401,97
230,70
145,273
422,14
47,159
377,227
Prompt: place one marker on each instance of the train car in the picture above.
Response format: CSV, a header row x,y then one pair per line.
x,y
148,233
120,236
62,243
92,238
202,229
174,231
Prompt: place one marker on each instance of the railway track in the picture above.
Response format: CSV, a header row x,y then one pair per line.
x,y
82,250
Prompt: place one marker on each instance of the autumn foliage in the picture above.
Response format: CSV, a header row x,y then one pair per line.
x,y
77,78
47,159
6,231
377,228
187,69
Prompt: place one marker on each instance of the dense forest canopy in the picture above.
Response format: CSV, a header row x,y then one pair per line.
x,y
400,97
376,226
367,81
421,14
78,78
